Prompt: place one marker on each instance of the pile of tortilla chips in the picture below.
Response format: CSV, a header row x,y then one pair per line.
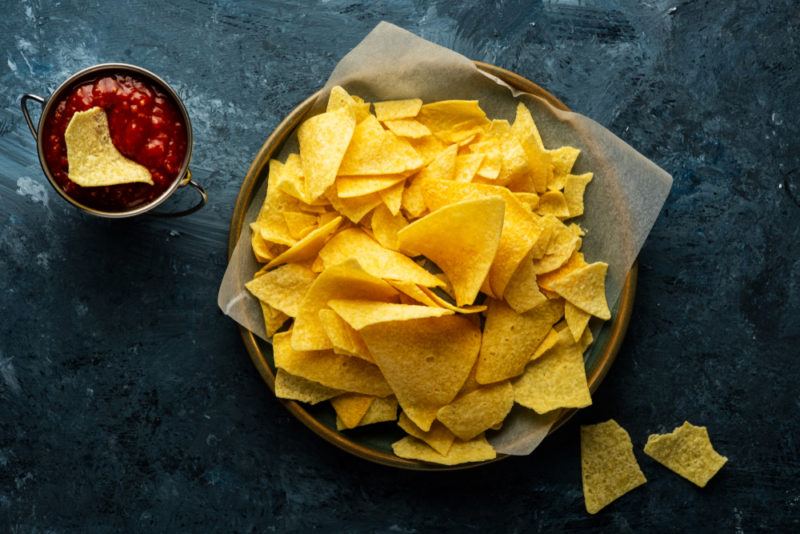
x,y
420,257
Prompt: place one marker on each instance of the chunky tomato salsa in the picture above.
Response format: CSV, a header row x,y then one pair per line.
x,y
146,127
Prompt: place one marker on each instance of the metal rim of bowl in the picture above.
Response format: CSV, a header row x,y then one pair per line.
x,y
273,143
79,77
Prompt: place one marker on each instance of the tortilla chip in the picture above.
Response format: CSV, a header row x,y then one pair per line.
x,y
358,186
563,243
425,360
309,246
476,450
397,109
577,319
374,150
467,166
380,411
453,120
540,168
344,281
427,147
299,224
323,141
93,159
529,199
563,159
573,192
524,127
344,339
608,467
288,386
262,250
413,201
555,380
462,240
415,292
547,343
443,303
687,450
380,262
392,197
472,414
575,261
586,288
522,293
282,288
407,128
332,370
438,437
354,209
360,314
385,226
509,338
553,203
351,408
273,319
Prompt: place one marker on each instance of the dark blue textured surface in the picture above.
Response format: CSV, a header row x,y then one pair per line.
x,y
128,402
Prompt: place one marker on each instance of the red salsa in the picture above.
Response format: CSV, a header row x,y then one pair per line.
x,y
146,127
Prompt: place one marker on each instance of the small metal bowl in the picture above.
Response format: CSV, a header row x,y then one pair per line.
x,y
373,443
184,176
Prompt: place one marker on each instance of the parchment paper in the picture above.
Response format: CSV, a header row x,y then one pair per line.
x,y
622,201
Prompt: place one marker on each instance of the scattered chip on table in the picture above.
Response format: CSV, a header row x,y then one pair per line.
x,y
687,450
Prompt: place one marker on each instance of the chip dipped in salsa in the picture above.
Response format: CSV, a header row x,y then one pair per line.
x,y
145,126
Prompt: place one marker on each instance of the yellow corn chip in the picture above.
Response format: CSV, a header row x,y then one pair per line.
x,y
290,179
413,200
357,186
540,167
351,408
438,437
407,128
687,450
380,411
273,319
374,150
573,192
425,360
553,203
522,293
563,159
428,147
299,224
323,140
586,288
476,450
453,120
415,292
385,226
574,262
374,259
288,386
262,250
524,126
340,99
309,246
547,343
529,199
332,370
93,159
560,248
344,339
354,208
555,380
509,338
397,109
362,313
608,467
346,280
392,197
577,319
471,414
467,166
461,239
443,303
492,162
282,288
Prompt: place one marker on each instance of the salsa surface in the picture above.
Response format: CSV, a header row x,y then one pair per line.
x,y
146,127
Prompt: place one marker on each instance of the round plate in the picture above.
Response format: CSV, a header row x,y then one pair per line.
x,y
373,442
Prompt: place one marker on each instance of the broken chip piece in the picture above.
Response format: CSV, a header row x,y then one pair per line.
x,y
687,450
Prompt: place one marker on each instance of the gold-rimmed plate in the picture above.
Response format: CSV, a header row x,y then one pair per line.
x,y
373,442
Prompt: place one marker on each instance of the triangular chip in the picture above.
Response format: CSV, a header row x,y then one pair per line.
x,y
351,408
415,292
444,303
586,288
357,186
299,224
345,340
462,239
93,159
573,192
438,437
563,159
522,293
354,209
354,243
553,203
471,414
425,360
577,319
346,281
374,150
476,450
555,380
273,319
549,341
427,147
309,246
385,226
453,120
397,109
392,197
323,141
288,386
467,166
561,246
407,128
687,450
380,411
443,167
576,261
608,467
362,313
339,98
509,338
332,370
283,288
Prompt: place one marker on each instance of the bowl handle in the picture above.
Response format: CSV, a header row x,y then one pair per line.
x,y
23,102
187,180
